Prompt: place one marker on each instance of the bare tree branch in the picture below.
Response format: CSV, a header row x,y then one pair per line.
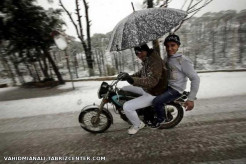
x,y
165,3
76,28
191,15
191,9
79,20
81,36
205,4
183,5
194,5
189,5
86,46
87,24
177,27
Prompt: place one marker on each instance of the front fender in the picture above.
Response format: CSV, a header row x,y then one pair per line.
x,y
97,107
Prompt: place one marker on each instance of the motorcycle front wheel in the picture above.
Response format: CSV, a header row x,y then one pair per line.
x,y
88,121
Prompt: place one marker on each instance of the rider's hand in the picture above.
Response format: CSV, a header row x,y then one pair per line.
x,y
189,105
127,77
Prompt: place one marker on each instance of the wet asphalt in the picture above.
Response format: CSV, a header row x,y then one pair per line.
x,y
214,132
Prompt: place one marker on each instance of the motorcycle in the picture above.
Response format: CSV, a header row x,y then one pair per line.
x,y
97,118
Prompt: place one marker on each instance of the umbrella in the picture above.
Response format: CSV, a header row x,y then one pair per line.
x,y
143,26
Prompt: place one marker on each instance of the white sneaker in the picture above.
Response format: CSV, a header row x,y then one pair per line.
x,y
134,130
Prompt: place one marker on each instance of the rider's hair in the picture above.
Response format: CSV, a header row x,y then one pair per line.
x,y
143,47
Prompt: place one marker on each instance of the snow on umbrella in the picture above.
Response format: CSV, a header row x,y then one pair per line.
x,y
143,26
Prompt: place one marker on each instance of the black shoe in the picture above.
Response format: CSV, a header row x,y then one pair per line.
x,y
157,124
148,123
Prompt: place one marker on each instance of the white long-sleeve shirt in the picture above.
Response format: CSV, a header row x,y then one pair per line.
x,y
180,69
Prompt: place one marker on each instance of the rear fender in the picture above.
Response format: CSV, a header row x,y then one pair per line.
x,y
97,107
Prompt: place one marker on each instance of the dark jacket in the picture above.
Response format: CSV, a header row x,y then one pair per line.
x,y
152,77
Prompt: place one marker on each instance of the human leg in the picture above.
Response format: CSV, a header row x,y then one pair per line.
x,y
131,106
133,89
161,100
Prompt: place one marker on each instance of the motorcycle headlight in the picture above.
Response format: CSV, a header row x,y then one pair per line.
x,y
102,90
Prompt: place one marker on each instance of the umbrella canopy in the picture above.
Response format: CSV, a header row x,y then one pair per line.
x,y
143,26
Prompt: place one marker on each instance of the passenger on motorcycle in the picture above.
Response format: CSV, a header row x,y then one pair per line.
x,y
179,68
149,82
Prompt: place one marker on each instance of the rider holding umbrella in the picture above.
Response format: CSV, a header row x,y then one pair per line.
x,y
149,82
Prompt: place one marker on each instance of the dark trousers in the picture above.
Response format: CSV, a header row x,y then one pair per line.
x,y
168,96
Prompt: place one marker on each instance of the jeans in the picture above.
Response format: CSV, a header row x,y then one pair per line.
x,y
159,102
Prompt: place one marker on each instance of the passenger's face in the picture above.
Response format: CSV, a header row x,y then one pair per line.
x,y
141,54
171,48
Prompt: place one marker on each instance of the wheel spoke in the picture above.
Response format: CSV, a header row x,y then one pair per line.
x,y
88,118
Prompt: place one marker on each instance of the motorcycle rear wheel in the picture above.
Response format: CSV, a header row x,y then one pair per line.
x,y
88,122
177,114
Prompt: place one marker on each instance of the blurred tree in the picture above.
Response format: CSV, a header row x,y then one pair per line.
x,y
99,43
5,62
226,16
28,27
242,33
75,49
190,6
79,30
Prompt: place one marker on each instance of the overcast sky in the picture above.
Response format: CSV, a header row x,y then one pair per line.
x,y
105,14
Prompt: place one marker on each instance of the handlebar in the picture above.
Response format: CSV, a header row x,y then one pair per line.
x,y
119,78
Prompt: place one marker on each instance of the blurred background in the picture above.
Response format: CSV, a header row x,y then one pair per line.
x,y
211,38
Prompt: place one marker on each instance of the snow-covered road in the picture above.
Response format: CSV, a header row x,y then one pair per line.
x,y
22,102
213,132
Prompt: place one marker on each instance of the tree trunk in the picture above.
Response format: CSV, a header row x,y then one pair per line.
x,y
116,63
88,33
89,61
150,4
59,77
213,48
36,70
98,63
14,60
123,62
45,72
83,62
19,74
224,40
195,60
10,73
29,70
103,63
44,67
120,62
241,43
76,65
55,57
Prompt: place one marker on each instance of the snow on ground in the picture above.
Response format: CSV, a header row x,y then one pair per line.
x,y
22,102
